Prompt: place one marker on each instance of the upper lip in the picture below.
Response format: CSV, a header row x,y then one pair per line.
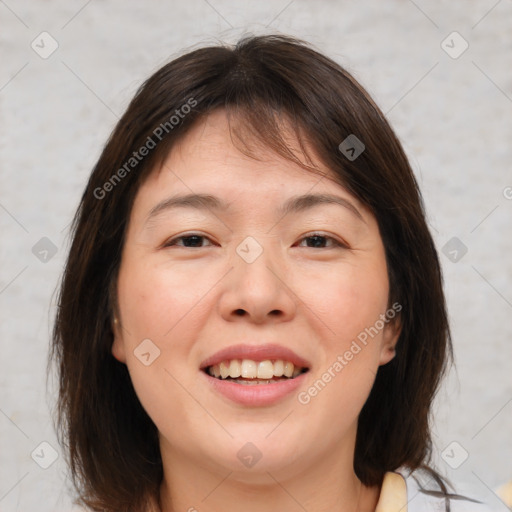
x,y
255,353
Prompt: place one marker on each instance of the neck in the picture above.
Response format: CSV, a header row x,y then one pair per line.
x,y
326,484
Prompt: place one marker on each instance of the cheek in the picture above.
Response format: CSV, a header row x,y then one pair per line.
x,y
168,307
348,300
160,306
154,300
351,354
151,307
349,303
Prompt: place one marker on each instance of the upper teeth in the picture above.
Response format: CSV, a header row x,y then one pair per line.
x,y
249,369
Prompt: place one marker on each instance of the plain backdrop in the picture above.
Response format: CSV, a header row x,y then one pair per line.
x,y
451,107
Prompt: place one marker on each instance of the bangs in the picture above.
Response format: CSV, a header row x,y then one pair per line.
x,y
257,127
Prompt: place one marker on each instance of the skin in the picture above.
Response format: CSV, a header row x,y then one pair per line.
x,y
314,299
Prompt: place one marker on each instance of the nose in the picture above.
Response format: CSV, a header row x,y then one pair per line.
x,y
259,291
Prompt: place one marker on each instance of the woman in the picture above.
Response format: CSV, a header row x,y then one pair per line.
x,y
252,309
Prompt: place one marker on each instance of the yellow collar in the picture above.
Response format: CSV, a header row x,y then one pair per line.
x,y
393,494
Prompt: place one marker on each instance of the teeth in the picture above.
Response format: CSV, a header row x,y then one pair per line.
x,y
249,369
279,368
235,368
288,369
264,371
257,382
224,370
214,371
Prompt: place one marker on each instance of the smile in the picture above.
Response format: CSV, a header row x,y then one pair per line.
x,y
254,383
249,372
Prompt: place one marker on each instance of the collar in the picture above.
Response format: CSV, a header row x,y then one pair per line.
x,y
393,494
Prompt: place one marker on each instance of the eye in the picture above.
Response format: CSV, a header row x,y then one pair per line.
x,y
318,241
190,240
194,240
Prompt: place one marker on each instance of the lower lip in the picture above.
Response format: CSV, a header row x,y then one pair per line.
x,y
255,395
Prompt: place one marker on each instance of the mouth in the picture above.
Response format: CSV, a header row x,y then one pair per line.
x,y
255,375
249,372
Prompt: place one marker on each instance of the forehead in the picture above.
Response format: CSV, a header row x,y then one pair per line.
x,y
207,158
228,144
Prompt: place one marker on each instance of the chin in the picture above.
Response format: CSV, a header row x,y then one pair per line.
x,y
248,455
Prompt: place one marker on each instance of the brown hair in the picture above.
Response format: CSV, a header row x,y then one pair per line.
x,y
112,444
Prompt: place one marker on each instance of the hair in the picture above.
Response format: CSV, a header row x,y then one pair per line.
x,y
111,443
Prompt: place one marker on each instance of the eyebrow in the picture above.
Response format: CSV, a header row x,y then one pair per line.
x,y
294,204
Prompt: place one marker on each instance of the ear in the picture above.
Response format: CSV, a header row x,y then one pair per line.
x,y
390,337
118,348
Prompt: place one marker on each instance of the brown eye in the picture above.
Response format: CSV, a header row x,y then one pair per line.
x,y
319,241
189,241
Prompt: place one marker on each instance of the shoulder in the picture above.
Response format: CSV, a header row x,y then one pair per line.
x,y
505,493
425,494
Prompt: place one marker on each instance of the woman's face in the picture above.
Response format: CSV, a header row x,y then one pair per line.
x,y
308,284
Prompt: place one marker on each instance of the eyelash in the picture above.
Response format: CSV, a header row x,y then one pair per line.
x,y
335,243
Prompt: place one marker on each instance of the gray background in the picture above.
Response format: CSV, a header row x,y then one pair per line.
x,y
452,114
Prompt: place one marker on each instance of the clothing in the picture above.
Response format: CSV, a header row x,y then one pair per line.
x,y
404,490
505,493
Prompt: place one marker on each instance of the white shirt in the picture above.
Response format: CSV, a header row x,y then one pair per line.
x,y
423,494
